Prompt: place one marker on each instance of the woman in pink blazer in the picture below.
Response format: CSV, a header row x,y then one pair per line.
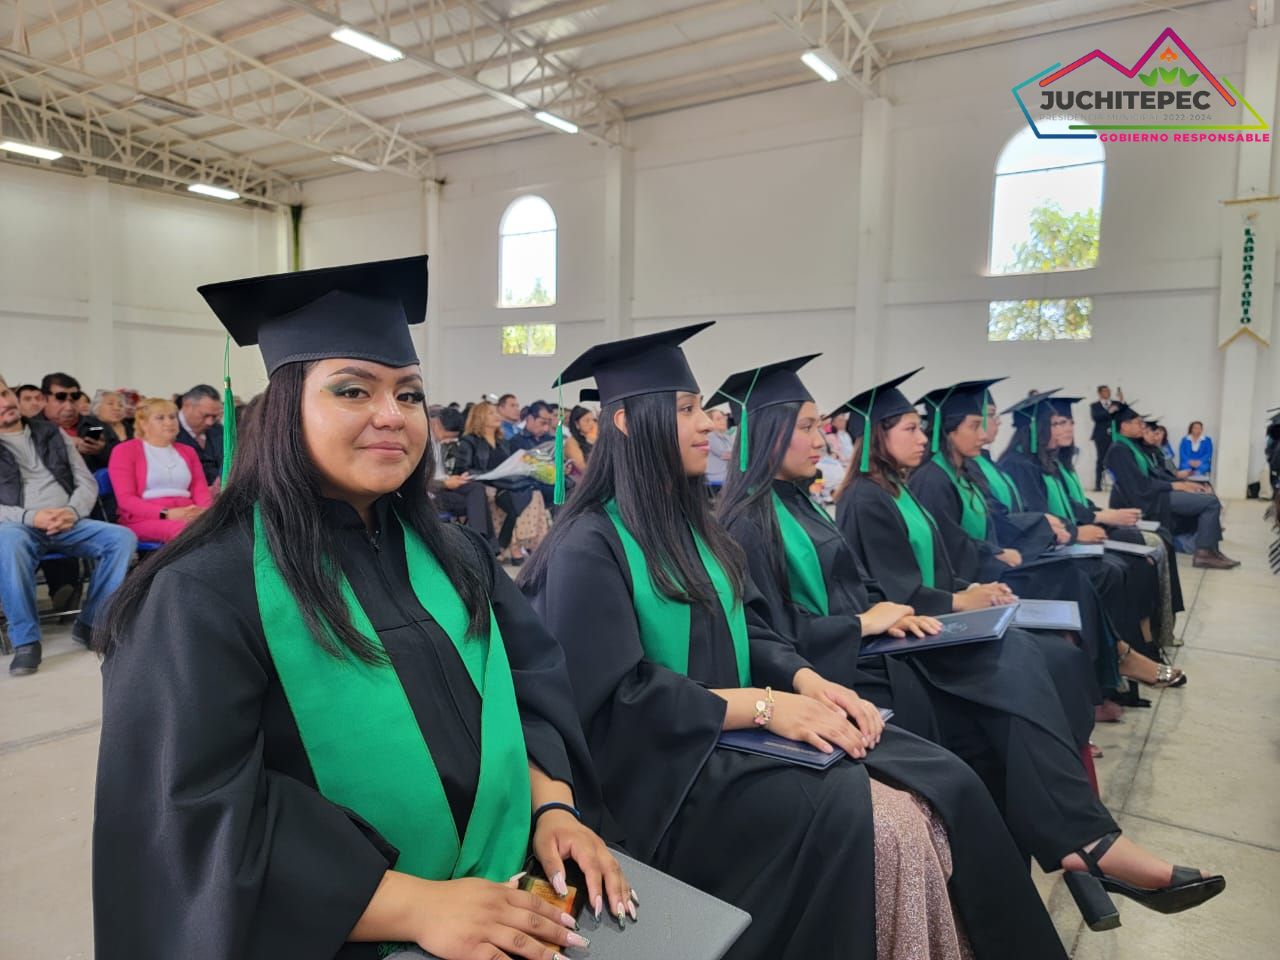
x,y
158,484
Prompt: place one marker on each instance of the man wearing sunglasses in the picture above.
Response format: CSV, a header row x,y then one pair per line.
x,y
62,395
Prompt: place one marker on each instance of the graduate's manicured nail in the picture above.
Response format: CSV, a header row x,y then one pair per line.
x,y
631,911
559,956
599,907
558,884
517,878
621,917
635,896
577,940
568,921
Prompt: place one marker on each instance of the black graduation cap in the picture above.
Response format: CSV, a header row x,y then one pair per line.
x,y
1124,412
362,311
872,406
1062,406
760,387
958,400
1151,420
1029,409
653,363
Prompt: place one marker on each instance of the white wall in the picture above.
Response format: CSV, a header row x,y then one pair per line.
x,y
746,212
99,280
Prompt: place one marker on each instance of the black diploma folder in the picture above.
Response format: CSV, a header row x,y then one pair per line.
x,y
1047,615
973,626
676,920
762,743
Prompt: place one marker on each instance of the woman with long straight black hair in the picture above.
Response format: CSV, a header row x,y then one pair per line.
x,y
650,599
1048,802
332,727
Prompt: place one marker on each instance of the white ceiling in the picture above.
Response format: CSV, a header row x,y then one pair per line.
x,y
254,94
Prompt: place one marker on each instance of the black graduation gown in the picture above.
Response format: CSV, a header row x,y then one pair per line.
x,y
211,841
792,846
1016,699
974,561
1129,585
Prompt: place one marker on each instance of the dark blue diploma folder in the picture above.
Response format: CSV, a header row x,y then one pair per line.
x,y
973,626
765,744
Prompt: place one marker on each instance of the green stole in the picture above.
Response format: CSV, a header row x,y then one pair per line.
x,y
1143,463
973,505
1074,488
805,582
665,623
1001,487
388,776
1059,502
919,532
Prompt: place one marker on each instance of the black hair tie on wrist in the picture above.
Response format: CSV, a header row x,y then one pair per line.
x,y
554,805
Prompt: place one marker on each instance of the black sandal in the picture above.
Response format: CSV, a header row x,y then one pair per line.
x,y
1091,890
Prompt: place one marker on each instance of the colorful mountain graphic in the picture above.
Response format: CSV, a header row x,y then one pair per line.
x,y
1162,48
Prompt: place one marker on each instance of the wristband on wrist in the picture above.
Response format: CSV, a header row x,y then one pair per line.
x,y
554,805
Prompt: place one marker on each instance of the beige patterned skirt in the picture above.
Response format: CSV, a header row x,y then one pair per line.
x,y
914,919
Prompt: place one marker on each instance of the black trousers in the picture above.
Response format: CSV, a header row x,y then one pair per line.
x,y
468,501
1102,445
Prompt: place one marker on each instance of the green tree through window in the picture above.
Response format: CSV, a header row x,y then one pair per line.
x,y
1058,241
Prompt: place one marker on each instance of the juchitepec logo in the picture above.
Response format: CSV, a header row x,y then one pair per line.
x,y
1169,95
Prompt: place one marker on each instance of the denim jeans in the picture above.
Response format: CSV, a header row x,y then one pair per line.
x,y
111,548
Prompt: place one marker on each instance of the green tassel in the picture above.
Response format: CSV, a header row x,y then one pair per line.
x,y
228,415
1035,429
743,442
558,497
936,439
865,462
986,403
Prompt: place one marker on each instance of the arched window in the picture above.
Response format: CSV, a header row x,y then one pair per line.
x,y
1047,205
527,254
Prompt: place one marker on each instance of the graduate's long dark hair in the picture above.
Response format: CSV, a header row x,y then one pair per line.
x,y
273,469
748,497
882,469
1021,444
643,471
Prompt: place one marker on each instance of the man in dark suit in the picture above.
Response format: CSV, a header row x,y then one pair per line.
x,y
198,427
1100,410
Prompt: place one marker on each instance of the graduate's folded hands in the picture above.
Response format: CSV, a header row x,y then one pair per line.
x,y
812,721
881,617
1090,533
979,596
864,714
917,626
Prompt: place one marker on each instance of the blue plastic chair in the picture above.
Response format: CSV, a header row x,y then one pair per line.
x,y
103,476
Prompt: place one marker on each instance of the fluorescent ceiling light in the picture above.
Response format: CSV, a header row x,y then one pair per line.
x,y
551,120
219,193
40,153
359,164
814,60
367,44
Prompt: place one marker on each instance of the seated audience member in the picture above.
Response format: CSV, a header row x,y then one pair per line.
x,y
511,413
46,493
457,493
481,449
158,484
1140,483
1157,438
1195,452
108,407
62,395
84,406
721,441
838,440
539,427
198,428
30,400
583,425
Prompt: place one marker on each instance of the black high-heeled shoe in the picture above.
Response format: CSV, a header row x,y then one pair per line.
x,y
1091,890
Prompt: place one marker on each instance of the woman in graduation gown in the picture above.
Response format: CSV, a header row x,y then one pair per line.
x,y
1138,484
1047,800
330,723
956,502
650,600
1130,584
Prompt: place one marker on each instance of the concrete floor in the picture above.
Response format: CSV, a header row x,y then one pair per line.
x,y
1195,778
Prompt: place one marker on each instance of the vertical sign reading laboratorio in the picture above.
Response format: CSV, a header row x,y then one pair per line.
x,y
1248,270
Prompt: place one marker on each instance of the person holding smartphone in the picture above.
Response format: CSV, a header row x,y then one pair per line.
x,y
62,396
